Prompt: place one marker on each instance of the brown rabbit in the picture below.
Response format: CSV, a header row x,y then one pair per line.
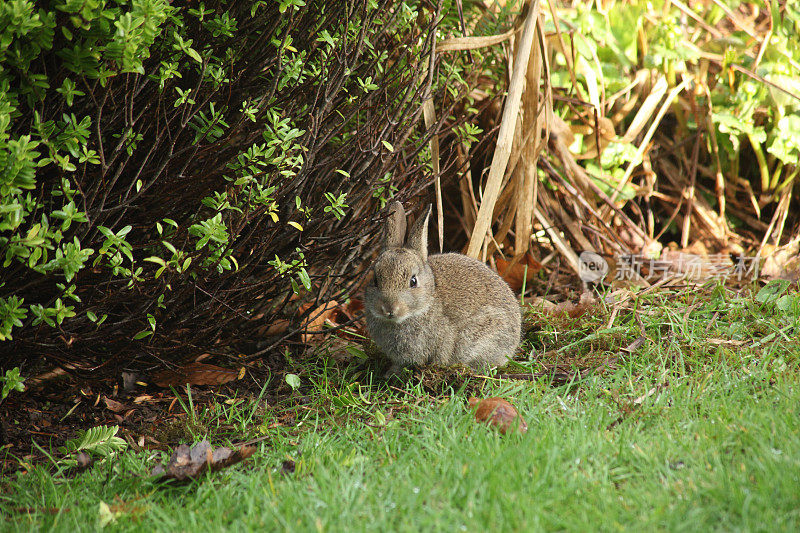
x,y
444,309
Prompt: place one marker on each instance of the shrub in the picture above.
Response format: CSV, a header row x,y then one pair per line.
x,y
170,172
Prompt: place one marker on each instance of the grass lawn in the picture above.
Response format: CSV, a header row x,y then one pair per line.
x,y
697,428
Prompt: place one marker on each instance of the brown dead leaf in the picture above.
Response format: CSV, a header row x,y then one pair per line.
x,y
190,462
317,318
122,418
142,398
343,313
113,405
195,374
277,327
499,413
515,274
783,262
573,310
346,313
331,313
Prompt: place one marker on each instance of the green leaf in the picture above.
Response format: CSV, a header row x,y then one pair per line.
x,y
142,334
191,52
101,440
772,290
786,144
11,382
293,380
305,279
105,515
789,304
157,260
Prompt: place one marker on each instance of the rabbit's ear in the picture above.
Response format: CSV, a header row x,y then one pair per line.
x,y
418,238
395,226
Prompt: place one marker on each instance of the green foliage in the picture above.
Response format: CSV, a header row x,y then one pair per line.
x,y
772,291
293,380
97,40
157,160
752,105
100,442
11,315
12,381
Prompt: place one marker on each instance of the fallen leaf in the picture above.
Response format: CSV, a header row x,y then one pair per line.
x,y
515,273
122,418
316,319
586,302
499,413
277,327
782,263
104,515
727,342
190,462
195,374
113,405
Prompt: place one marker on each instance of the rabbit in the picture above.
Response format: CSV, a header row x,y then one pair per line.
x,y
442,309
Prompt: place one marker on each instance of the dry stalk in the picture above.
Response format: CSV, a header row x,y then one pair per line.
x,y
506,133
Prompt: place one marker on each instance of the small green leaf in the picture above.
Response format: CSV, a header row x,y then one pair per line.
x,y
789,304
104,515
142,334
191,52
772,290
305,279
293,380
11,381
157,260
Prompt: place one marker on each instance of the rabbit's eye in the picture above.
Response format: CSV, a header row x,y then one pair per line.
x,y
413,281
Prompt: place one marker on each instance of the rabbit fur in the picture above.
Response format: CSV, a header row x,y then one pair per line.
x,y
441,309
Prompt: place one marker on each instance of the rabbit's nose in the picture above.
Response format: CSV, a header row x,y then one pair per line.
x,y
389,310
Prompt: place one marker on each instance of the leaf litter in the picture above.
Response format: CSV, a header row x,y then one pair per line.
x,y
191,462
498,413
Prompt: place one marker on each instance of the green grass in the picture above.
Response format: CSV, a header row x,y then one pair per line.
x,y
698,429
